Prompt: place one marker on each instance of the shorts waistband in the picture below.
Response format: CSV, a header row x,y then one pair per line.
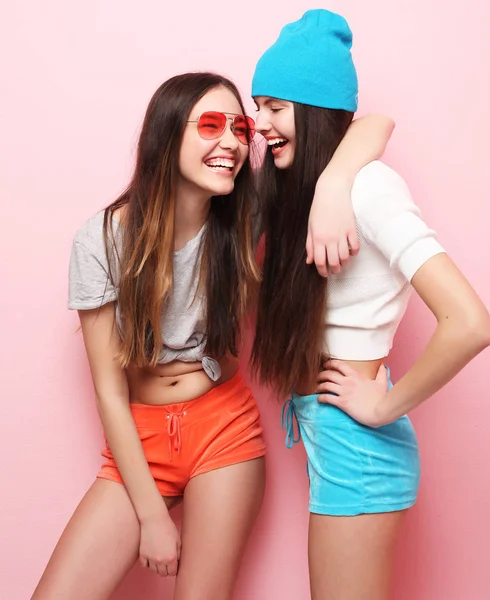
x,y
294,404
173,417
298,399
150,414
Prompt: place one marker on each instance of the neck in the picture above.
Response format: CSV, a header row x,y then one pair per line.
x,y
191,212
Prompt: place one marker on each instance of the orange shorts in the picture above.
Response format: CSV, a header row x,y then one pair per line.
x,y
186,439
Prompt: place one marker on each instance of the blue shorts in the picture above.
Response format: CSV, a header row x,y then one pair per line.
x,y
353,469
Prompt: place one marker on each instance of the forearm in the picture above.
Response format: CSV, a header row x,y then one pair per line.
x,y
365,141
448,351
122,437
103,343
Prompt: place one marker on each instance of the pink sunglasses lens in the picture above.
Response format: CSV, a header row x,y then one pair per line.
x,y
211,125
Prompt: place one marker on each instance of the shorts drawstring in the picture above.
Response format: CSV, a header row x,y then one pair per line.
x,y
174,428
288,418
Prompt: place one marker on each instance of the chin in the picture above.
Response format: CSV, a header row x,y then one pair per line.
x,y
221,190
283,161
282,164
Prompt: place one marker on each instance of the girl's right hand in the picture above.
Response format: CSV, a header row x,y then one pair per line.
x,y
332,230
160,545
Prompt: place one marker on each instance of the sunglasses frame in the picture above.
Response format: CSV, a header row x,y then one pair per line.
x,y
229,117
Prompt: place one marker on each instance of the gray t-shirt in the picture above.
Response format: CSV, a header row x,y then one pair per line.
x,y
183,322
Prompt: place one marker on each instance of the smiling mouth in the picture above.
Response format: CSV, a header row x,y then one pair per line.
x,y
277,145
220,165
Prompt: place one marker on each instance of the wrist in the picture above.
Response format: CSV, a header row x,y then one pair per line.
x,y
150,514
382,412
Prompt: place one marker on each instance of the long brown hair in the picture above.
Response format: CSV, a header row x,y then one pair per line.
x,y
292,299
145,257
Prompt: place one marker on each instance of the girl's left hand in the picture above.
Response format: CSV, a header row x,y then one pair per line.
x,y
360,397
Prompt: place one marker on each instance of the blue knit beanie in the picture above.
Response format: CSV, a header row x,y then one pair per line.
x,y
310,63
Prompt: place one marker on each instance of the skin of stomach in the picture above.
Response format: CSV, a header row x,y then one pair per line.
x,y
366,368
175,382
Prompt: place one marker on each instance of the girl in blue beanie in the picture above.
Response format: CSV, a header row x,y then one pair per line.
x,y
363,460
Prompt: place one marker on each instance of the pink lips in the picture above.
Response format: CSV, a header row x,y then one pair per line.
x,y
276,151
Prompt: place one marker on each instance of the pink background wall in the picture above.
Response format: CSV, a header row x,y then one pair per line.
x,y
76,79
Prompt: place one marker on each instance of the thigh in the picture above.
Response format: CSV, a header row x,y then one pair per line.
x,y
350,558
97,548
220,509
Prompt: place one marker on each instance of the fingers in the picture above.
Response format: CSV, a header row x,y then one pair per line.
x,y
382,374
330,394
329,387
341,367
309,249
164,568
344,251
330,375
153,566
320,258
171,568
353,240
333,257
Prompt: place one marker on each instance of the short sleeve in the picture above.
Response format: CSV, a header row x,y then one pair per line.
x,y
90,285
389,219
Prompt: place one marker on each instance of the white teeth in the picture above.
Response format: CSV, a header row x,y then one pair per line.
x,y
276,141
221,162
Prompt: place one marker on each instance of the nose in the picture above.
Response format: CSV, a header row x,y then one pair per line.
x,y
262,124
228,138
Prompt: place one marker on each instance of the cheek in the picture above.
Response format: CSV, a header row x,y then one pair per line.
x,y
244,152
194,151
289,130
187,152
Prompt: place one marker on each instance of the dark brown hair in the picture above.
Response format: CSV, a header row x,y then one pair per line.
x,y
145,258
286,351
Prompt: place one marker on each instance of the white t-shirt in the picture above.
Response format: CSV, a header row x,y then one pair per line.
x,y
367,300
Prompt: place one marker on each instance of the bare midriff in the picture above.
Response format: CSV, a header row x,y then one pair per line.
x,y
367,368
175,382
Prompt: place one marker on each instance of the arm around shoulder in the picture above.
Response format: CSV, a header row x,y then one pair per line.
x,y
332,234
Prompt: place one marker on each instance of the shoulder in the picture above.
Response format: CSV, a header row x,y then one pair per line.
x,y
390,220
378,173
380,192
90,278
376,179
90,234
